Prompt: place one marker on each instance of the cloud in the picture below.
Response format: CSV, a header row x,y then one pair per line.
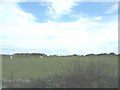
x,y
97,18
86,34
112,9
12,14
13,22
6,1
57,0
57,8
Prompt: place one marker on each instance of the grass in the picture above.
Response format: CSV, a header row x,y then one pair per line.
x,y
65,71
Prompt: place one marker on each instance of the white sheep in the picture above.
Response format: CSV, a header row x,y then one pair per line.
x,y
11,57
41,56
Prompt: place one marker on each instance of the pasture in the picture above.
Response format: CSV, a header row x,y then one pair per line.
x,y
34,67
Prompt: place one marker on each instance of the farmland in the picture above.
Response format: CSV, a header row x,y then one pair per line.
x,y
34,67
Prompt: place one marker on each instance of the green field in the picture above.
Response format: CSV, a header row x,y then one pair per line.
x,y
36,67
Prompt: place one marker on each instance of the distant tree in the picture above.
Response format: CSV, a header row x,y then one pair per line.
x,y
53,55
34,54
68,55
90,55
74,55
102,54
112,53
82,55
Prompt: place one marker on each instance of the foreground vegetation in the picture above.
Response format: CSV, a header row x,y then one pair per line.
x,y
61,72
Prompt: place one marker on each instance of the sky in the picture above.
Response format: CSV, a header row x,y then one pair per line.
x,y
59,27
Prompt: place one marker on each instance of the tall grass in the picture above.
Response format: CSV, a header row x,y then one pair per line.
x,y
95,75
91,72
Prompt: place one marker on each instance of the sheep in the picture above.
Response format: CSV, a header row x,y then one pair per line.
x,y
11,57
41,56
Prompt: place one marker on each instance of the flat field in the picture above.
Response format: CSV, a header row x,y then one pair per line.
x,y
21,67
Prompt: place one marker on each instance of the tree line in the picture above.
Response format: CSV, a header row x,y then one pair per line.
x,y
34,54
42,54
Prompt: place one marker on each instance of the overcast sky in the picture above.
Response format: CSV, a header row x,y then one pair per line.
x,y
59,27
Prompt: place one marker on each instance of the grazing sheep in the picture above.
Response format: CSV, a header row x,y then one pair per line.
x,y
11,57
26,80
41,56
